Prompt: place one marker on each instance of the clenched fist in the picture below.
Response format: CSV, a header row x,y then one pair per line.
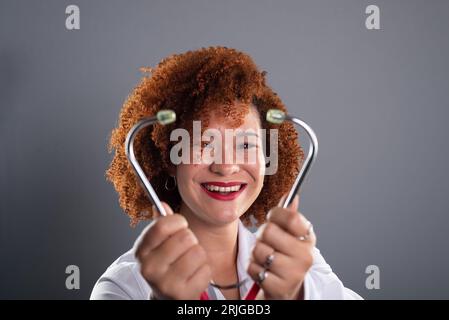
x,y
291,257
172,261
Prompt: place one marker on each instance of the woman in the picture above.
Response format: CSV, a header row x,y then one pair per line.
x,y
209,203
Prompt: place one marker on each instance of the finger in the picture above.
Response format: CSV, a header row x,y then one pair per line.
x,y
293,205
200,279
187,277
280,240
174,247
186,265
155,267
280,264
281,202
168,210
272,283
159,232
291,221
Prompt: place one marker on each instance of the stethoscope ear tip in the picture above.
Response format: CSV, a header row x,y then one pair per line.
x,y
166,116
275,116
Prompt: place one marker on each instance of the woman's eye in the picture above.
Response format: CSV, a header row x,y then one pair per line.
x,y
247,145
207,144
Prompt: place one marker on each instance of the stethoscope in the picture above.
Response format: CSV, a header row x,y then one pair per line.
x,y
165,117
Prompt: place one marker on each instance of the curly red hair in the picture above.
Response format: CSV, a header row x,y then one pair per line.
x,y
196,84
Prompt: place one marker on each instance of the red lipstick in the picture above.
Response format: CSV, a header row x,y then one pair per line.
x,y
222,196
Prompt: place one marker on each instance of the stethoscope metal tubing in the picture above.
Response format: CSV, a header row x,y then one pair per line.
x,y
151,193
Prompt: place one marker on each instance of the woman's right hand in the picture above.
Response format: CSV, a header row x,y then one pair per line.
x,y
171,259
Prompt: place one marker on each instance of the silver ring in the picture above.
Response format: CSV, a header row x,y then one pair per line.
x,y
307,236
268,261
261,276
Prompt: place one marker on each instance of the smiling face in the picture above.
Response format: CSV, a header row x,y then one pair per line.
x,y
219,193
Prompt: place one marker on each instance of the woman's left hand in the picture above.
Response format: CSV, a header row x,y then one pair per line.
x,y
292,257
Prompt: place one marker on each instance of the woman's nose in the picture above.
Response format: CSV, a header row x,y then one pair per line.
x,y
224,169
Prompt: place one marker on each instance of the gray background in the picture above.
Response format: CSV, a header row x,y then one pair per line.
x,y
378,101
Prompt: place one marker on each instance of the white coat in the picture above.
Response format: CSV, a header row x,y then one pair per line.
x,y
123,280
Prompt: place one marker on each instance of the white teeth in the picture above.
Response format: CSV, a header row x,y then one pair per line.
x,y
211,187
